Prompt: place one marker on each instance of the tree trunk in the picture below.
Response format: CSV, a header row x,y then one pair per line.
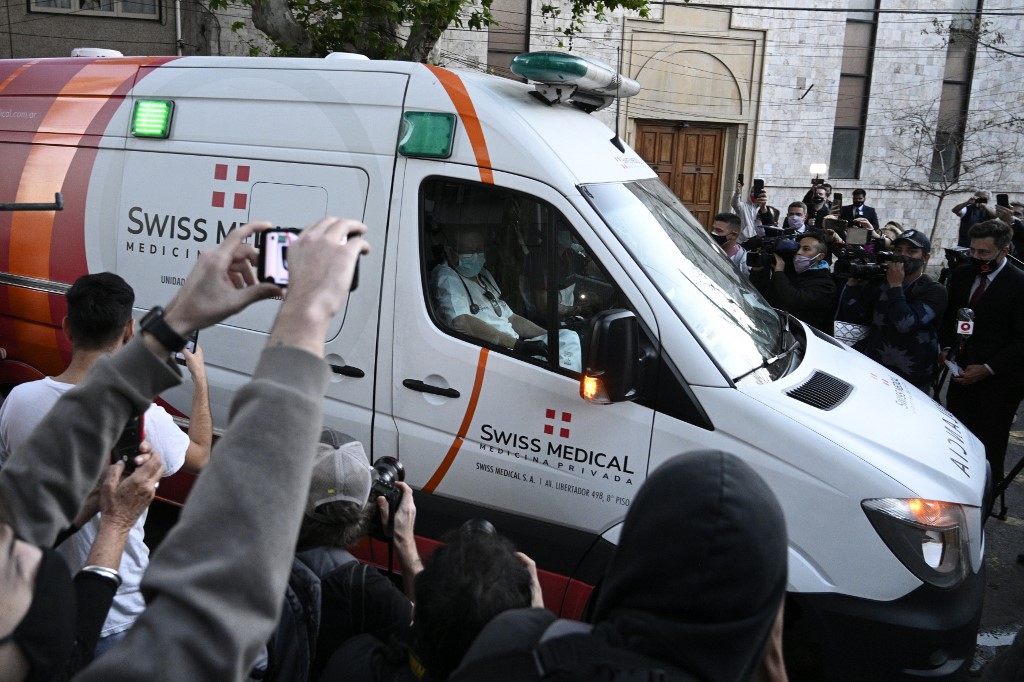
x,y
422,40
275,18
935,221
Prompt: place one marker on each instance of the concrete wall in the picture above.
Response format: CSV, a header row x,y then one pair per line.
x,y
770,76
43,34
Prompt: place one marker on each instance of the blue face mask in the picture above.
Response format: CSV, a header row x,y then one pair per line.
x,y
470,264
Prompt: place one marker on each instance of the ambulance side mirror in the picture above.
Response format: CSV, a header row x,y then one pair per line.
x,y
612,363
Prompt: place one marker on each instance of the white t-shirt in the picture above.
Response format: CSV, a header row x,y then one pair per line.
x,y
21,411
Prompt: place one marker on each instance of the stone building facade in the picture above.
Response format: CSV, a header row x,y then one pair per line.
x,y
765,90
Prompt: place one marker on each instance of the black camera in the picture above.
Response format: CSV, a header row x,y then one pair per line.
x,y
864,261
957,256
776,240
387,471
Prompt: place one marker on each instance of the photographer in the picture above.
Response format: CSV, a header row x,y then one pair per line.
x,y
803,287
902,309
971,212
354,598
818,202
756,213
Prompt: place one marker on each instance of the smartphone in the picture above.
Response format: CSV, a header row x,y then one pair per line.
x,y
127,447
758,185
1003,200
190,346
272,265
739,178
857,235
837,200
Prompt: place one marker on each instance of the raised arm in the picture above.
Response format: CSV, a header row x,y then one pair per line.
x,y
219,575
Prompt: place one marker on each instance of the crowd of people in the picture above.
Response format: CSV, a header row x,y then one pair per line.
x,y
255,581
834,268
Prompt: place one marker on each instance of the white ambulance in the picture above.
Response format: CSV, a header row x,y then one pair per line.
x,y
541,322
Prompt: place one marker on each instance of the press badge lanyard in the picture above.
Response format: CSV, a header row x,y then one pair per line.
x,y
474,308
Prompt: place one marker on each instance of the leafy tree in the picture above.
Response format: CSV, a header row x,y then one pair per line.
x,y
394,29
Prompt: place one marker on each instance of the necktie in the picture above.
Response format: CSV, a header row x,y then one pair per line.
x,y
979,290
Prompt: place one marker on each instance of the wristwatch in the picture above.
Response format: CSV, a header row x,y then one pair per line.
x,y
153,323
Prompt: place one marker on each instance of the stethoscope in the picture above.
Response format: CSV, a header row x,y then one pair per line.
x,y
494,300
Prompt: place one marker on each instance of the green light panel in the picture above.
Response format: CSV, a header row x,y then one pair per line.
x,y
427,133
152,118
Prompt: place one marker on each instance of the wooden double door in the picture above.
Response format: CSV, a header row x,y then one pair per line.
x,y
689,160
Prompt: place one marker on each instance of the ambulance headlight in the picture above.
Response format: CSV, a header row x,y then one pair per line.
x,y
931,538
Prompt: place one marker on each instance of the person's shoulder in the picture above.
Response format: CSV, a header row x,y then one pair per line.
x,y
1016,277
823,274
510,631
442,272
35,396
929,283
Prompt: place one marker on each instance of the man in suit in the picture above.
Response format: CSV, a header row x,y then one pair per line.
x,y
859,210
989,387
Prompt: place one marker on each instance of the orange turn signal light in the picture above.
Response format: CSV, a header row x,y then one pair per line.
x,y
592,390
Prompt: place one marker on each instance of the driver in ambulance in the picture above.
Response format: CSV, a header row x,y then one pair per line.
x,y
468,300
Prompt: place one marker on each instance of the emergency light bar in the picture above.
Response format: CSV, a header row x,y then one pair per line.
x,y
561,77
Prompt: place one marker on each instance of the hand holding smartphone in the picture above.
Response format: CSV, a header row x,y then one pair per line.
x,y
190,346
127,447
272,265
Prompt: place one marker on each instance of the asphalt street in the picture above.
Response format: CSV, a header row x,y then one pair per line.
x,y
1003,613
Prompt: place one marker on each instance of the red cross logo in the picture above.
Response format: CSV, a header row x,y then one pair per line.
x,y
241,199
549,429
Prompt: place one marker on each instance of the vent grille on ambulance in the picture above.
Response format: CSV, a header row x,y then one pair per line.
x,y
822,390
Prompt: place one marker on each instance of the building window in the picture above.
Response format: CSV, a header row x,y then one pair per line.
x,y
955,100
508,36
854,89
133,9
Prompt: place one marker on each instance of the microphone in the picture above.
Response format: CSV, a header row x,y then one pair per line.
x,y
964,330
964,323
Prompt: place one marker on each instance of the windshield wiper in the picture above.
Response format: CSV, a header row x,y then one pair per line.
x,y
784,323
782,354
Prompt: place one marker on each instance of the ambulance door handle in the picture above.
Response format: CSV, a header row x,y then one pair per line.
x,y
417,385
348,371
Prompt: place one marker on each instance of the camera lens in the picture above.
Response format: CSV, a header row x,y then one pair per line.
x,y
389,470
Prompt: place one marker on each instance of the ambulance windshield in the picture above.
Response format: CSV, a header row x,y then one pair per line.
x,y
733,322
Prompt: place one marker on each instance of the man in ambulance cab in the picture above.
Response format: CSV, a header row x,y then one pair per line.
x,y
468,300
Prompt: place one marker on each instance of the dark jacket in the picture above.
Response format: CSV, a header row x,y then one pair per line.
x,y
809,296
696,581
904,321
847,214
973,213
998,338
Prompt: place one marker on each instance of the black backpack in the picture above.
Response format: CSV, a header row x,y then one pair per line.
x,y
291,649
565,651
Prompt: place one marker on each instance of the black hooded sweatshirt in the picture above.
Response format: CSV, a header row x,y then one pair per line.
x,y
696,582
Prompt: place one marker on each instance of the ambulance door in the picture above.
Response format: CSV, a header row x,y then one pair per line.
x,y
485,425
